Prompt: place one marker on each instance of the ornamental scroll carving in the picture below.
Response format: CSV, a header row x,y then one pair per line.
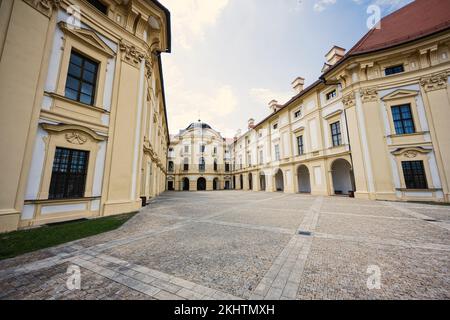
x,y
76,138
369,94
349,100
434,82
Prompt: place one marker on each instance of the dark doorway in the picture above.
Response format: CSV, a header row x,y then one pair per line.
x,y
170,186
201,184
227,185
250,181
185,184
215,184
241,180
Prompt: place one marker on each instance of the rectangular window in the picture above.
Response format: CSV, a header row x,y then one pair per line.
x,y
81,79
277,152
336,134
403,120
227,167
215,150
301,150
261,157
68,174
414,173
298,114
99,5
249,157
275,126
186,149
202,148
394,69
331,95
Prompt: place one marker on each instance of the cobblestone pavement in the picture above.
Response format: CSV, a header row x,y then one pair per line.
x,y
246,245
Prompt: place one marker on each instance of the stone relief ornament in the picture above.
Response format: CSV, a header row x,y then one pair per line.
x,y
76,138
434,82
130,54
410,154
349,100
44,6
369,94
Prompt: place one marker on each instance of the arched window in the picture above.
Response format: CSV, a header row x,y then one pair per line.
x,y
201,164
186,164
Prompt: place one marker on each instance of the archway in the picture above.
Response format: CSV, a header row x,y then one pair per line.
x,y
262,182
201,184
185,184
303,179
227,185
343,180
241,180
215,184
234,182
250,181
279,181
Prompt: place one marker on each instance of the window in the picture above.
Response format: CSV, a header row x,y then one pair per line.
x,y
414,174
260,134
99,5
403,121
215,150
394,69
68,174
186,164
201,165
298,113
277,152
171,166
275,126
202,148
186,149
249,157
215,165
301,149
331,95
261,156
81,79
227,167
336,134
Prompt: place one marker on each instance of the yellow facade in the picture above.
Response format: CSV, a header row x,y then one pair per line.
x,y
370,158
117,124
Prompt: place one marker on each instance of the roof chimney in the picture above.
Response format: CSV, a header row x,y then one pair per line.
x,y
251,123
334,55
298,84
274,106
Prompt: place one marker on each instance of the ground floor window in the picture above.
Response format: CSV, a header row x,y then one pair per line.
x,y
414,173
68,174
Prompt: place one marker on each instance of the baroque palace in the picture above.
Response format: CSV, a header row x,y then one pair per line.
x,y
83,118
375,125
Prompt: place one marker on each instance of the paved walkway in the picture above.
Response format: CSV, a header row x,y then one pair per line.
x,y
242,245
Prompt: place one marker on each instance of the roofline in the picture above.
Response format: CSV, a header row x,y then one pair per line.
x,y
168,24
163,92
357,54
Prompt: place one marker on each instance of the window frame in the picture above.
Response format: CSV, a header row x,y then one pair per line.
x,y
394,69
300,145
336,134
330,95
402,120
414,180
277,152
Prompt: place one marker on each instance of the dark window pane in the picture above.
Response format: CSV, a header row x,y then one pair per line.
x,y
88,76
394,70
76,59
336,134
414,174
87,89
71,94
86,99
74,70
72,83
81,78
403,121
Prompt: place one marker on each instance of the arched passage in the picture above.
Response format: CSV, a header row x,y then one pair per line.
x,y
279,181
201,184
185,184
241,180
342,174
234,182
303,179
216,184
262,182
250,181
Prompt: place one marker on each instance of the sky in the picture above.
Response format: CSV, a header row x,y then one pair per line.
x,y
231,57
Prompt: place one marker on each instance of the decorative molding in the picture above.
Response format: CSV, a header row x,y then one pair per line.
x,y
349,100
333,114
72,128
369,94
400,94
411,152
434,82
45,7
131,54
76,138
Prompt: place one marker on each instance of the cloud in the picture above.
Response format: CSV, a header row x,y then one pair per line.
x,y
387,5
264,95
191,18
321,5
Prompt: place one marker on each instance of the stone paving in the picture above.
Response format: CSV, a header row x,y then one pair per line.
x,y
247,245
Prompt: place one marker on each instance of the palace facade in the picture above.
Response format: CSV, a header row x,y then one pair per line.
x,y
82,110
375,125
199,160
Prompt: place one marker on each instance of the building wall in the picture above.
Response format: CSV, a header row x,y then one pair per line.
x,y
37,117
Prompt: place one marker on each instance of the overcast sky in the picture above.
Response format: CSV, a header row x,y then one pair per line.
x,y
231,57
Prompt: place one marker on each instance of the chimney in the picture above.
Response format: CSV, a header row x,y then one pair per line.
x,y
298,84
274,106
251,123
334,55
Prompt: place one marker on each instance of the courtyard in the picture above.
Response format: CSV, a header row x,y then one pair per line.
x,y
232,245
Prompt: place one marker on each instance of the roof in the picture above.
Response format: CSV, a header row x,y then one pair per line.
x,y
198,125
415,20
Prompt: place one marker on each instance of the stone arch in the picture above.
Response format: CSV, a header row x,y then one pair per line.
x,y
186,184
279,180
262,181
343,179
216,184
250,181
303,179
201,184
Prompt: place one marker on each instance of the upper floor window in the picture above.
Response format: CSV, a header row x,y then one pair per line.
x,y
249,158
336,136
260,134
414,174
275,126
215,165
186,149
68,174
81,79
171,166
277,152
301,148
261,156
215,150
298,113
394,69
227,167
202,164
403,120
186,164
99,5
331,95
202,148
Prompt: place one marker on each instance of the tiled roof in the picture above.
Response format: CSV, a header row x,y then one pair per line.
x,y
416,20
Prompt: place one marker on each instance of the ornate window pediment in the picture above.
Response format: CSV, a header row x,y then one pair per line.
x,y
411,152
74,134
400,94
89,37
